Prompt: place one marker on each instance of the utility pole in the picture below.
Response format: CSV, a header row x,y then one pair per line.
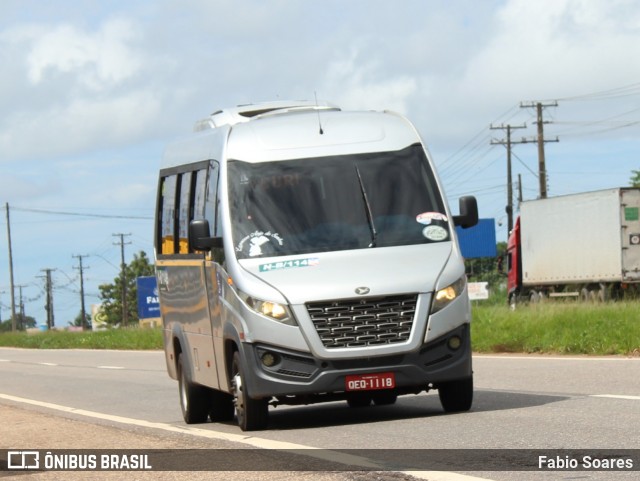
x,y
21,307
123,279
13,294
49,306
542,170
519,189
508,142
85,324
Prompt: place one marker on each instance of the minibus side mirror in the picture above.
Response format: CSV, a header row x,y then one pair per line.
x,y
468,212
200,236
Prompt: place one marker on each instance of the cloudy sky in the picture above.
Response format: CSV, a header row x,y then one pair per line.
x,y
91,91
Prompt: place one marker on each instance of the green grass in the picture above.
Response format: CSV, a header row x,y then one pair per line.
x,y
561,328
553,328
132,338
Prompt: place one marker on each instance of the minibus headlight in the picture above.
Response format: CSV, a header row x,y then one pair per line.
x,y
272,310
444,296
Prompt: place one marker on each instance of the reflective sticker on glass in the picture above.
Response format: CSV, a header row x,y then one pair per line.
x,y
435,233
427,217
255,241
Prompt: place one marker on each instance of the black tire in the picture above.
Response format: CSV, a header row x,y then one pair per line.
x,y
456,396
385,398
584,294
359,400
222,408
195,400
252,414
513,302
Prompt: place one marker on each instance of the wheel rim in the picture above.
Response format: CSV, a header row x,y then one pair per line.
x,y
238,395
183,396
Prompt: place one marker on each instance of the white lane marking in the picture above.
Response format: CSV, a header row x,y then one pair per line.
x,y
248,440
616,396
54,364
554,358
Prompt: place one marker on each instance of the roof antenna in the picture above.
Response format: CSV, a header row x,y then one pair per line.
x,y
318,110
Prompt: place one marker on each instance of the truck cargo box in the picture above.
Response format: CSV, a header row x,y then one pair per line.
x,y
582,238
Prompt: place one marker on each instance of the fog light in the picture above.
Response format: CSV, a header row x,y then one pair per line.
x,y
269,359
455,342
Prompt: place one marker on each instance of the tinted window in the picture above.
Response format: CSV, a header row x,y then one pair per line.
x,y
335,203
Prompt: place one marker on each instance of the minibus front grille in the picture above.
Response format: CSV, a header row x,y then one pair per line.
x,y
364,322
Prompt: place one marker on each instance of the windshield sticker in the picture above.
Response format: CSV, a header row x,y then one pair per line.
x,y
435,233
274,266
256,240
427,217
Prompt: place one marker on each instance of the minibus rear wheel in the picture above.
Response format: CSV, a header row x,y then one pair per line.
x,y
195,400
252,414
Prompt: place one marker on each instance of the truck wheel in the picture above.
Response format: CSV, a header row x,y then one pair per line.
x,y
513,302
222,408
456,396
252,414
195,400
603,294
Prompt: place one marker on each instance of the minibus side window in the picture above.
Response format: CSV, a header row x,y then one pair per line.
x,y
199,183
212,210
168,202
211,206
184,213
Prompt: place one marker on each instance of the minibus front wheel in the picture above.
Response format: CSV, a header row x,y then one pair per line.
x,y
252,414
456,396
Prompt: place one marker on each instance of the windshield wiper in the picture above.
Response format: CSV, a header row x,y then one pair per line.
x,y
367,205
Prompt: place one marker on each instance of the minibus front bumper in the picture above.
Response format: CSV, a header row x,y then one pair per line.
x,y
273,371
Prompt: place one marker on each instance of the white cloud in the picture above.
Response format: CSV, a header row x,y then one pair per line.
x,y
552,48
84,89
98,60
83,124
356,84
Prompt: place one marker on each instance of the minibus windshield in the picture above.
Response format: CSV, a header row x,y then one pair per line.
x,y
321,204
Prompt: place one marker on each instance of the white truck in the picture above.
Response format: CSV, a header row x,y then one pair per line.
x,y
583,245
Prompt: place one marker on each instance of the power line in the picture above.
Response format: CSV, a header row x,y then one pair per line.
x,y
625,91
82,214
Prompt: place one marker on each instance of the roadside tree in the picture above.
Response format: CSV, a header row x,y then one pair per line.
x,y
111,294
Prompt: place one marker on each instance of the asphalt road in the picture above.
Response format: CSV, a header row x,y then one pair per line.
x,y
521,402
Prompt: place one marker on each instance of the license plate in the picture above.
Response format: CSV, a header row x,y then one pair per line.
x,y
368,382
